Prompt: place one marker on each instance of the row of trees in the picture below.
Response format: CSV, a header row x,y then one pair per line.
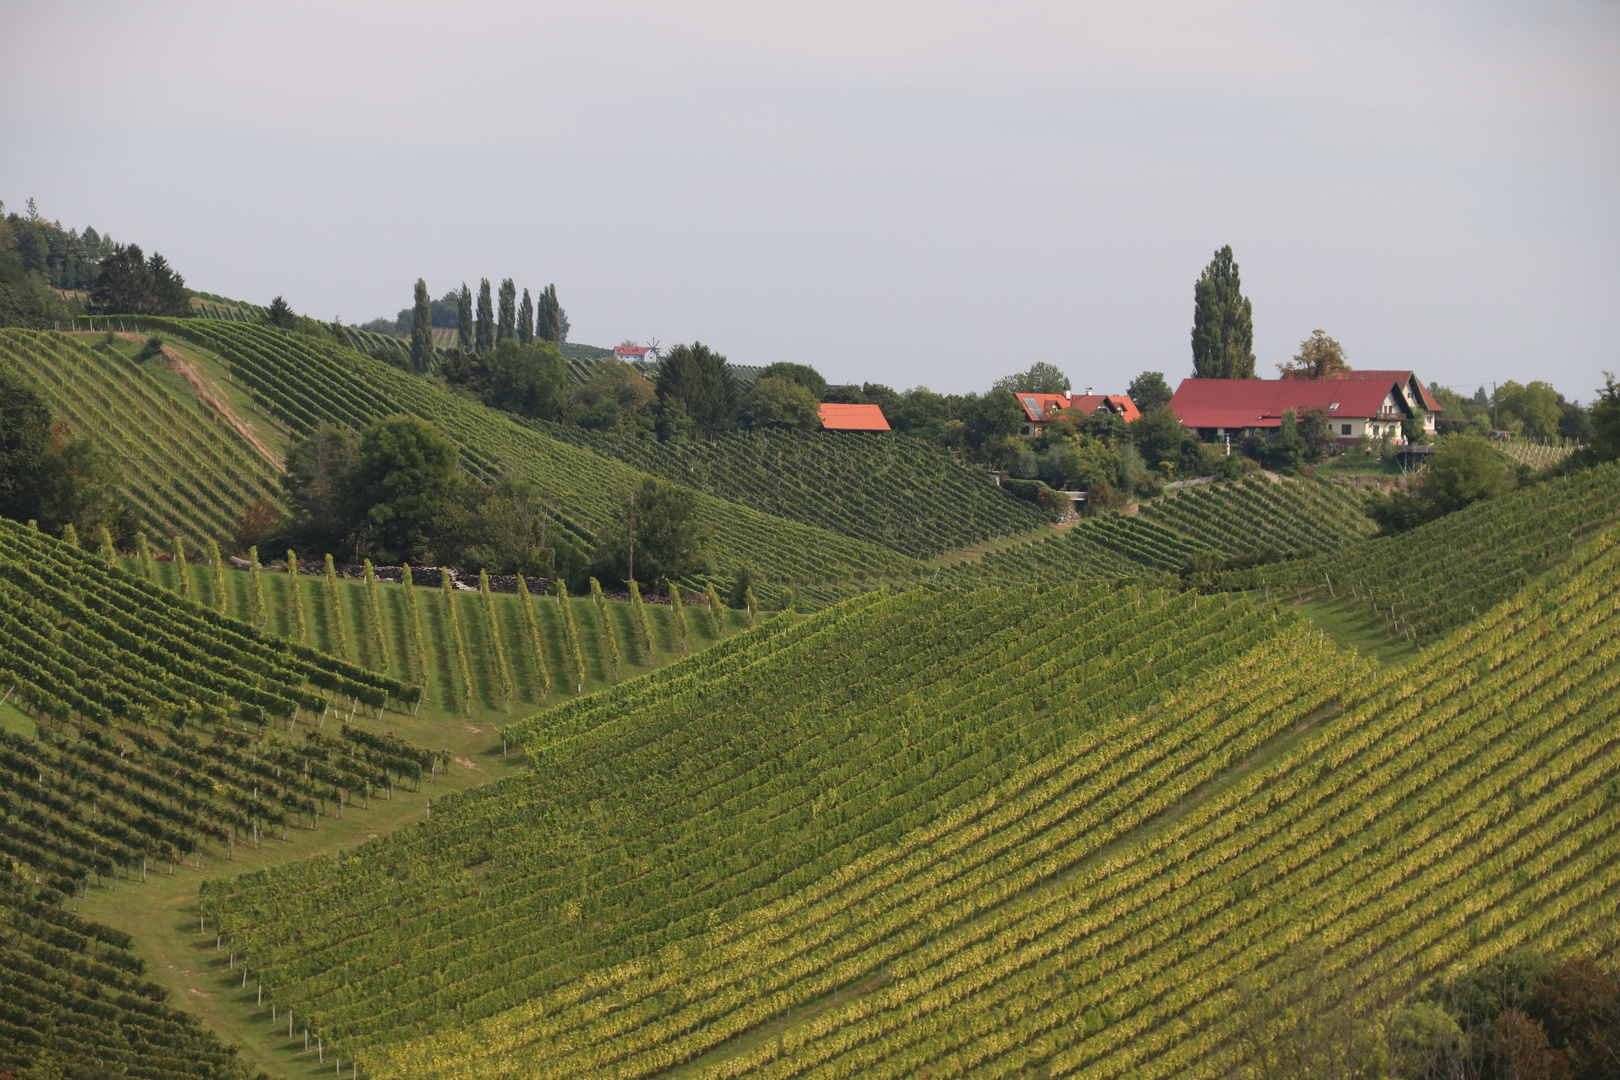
x,y
498,317
49,274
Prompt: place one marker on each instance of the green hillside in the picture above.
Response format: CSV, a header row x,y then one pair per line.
x,y
903,493
952,834
184,468
300,381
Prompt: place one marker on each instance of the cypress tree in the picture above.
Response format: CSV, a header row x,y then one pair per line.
x,y
484,326
260,615
422,330
1223,322
374,609
143,551
464,318
413,628
104,544
70,535
525,320
679,606
548,316
221,599
506,321
339,641
537,648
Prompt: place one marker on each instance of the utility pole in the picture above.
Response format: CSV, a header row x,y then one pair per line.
x,y
632,574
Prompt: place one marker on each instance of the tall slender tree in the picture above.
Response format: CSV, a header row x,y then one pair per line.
x,y
548,316
484,334
1223,322
506,321
525,320
464,318
422,330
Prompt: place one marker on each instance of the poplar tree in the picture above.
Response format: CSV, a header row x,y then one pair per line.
x,y
484,328
525,320
464,318
506,322
548,316
1223,322
422,330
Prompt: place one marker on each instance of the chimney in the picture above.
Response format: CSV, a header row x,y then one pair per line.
x,y
1088,391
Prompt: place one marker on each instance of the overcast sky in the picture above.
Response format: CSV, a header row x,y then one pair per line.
x,y
933,193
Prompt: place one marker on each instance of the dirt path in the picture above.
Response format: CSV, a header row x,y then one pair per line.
x,y
213,401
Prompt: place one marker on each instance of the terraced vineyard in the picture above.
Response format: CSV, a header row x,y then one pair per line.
x,y
1438,576
989,833
903,493
185,470
302,381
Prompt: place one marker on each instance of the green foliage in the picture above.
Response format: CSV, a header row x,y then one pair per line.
x,y
1466,470
799,374
466,339
701,382
525,320
529,380
128,283
742,587
1606,421
1150,391
1319,357
671,540
421,331
1223,322
1533,410
25,424
484,325
506,314
1041,378
280,315
777,403
408,483
550,324
1167,445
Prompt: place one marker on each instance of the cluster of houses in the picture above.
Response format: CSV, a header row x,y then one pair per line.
x,y
1360,404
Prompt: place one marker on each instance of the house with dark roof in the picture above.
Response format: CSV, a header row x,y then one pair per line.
x,y
1373,404
839,417
1041,409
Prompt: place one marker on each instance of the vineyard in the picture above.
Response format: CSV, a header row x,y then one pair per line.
x,y
1438,576
903,493
302,381
479,654
1537,455
1248,518
185,469
163,736
992,832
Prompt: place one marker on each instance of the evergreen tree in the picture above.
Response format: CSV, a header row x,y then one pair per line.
x,y
422,331
484,328
505,324
525,320
280,314
464,319
1223,322
548,316
700,380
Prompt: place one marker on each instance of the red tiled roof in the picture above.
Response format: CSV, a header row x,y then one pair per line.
x,y
630,350
1241,403
1401,377
836,417
1041,407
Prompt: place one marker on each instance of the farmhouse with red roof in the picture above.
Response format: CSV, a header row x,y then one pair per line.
x,y
1362,403
1041,409
836,417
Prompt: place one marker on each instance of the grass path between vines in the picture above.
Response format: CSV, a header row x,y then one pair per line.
x,y
162,913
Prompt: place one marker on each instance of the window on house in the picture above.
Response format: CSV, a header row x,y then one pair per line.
x,y
1344,429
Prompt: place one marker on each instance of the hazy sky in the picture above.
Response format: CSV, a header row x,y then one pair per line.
x,y
908,193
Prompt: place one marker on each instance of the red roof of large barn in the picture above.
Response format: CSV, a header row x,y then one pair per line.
x,y
837,417
1398,377
1241,403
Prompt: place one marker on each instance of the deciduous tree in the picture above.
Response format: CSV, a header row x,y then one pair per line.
x,y
525,320
506,320
484,327
1319,357
1149,390
464,319
422,330
1223,322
